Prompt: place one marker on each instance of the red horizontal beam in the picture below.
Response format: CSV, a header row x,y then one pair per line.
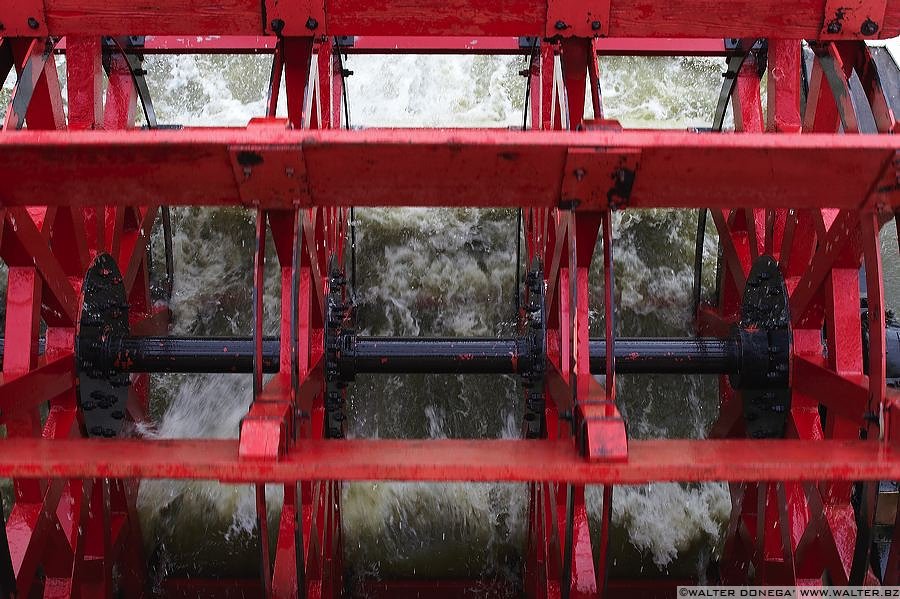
x,y
368,44
511,45
277,168
627,18
453,460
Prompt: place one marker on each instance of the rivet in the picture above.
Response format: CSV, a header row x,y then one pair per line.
x,y
835,27
560,25
869,27
277,25
595,25
312,24
33,23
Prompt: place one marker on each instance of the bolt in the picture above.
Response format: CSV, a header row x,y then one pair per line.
x,y
346,72
835,27
579,174
595,25
869,27
312,24
33,23
561,25
277,25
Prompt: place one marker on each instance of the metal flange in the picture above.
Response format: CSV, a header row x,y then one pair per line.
x,y
339,334
532,361
764,335
102,388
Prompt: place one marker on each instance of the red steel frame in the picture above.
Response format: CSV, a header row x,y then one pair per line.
x,y
788,185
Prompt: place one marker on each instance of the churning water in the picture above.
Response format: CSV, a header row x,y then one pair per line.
x,y
444,272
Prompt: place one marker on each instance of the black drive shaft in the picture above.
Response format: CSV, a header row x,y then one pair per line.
x,y
398,355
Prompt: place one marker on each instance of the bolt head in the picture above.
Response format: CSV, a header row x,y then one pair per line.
x,y
595,25
835,27
33,23
312,24
277,25
869,27
561,25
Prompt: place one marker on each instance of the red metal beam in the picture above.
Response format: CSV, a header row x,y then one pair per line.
x,y
373,44
627,18
276,168
453,460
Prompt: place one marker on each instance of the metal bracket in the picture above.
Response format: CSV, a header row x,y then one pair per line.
x,y
269,176
265,431
599,179
23,18
600,437
294,18
569,18
852,19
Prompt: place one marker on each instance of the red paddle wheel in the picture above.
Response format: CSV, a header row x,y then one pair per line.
x,y
809,427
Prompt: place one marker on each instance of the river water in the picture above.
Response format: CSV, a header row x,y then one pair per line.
x,y
448,272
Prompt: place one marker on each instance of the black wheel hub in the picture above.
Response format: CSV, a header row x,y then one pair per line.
x,y
102,388
339,333
533,335
764,333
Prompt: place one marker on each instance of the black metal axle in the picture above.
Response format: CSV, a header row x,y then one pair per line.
x,y
397,355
